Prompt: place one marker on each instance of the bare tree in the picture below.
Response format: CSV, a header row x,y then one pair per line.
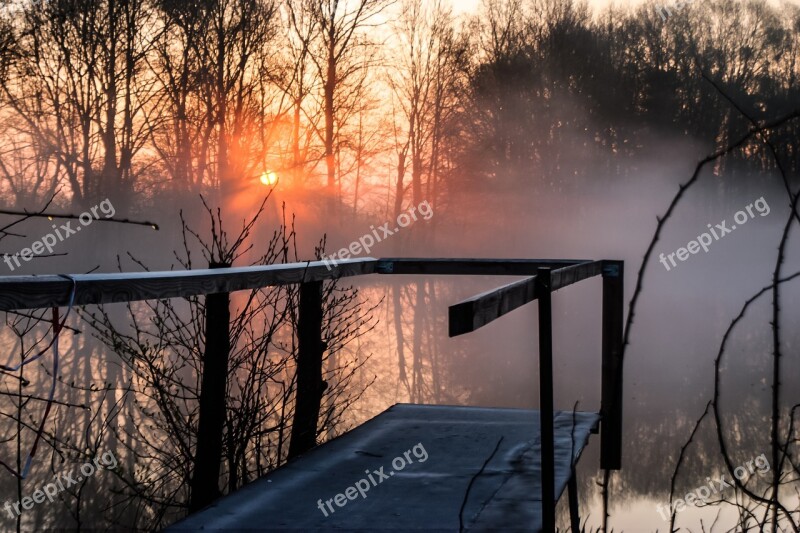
x,y
211,71
338,41
76,85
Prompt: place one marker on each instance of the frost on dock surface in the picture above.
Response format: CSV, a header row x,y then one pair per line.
x,y
397,486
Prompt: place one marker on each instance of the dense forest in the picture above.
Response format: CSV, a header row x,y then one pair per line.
x,y
374,103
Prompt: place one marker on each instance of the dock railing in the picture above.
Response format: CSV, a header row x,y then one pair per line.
x,y
544,277
475,312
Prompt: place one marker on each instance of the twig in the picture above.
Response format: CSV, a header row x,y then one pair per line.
x,y
471,482
69,216
680,462
682,189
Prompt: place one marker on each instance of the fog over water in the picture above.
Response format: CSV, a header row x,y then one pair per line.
x,y
679,322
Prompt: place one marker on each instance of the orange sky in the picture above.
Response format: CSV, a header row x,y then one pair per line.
x,y
464,6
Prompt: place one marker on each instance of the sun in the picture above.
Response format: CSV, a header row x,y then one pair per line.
x,y
269,178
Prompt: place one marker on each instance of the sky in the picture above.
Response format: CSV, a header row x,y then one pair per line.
x,y
468,6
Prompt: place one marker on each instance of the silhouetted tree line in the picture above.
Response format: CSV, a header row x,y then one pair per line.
x,y
555,88
132,99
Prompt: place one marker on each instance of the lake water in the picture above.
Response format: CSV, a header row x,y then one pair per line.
x,y
669,373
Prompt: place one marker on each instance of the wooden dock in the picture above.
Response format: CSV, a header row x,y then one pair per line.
x,y
537,437
461,449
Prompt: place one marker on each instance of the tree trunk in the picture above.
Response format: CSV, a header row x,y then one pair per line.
x,y
330,163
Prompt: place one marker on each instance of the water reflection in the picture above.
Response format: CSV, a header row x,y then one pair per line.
x,y
660,414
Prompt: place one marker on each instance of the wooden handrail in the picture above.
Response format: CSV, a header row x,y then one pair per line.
x,y
32,292
481,309
471,266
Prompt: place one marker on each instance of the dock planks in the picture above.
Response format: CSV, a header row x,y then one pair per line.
x,y
424,495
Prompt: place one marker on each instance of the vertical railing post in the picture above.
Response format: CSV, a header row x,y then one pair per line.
x,y
611,401
310,385
543,286
211,417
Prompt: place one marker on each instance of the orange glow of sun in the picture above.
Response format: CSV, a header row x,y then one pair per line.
x,y
269,178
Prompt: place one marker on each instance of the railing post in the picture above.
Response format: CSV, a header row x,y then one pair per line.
x,y
611,401
310,385
543,286
211,421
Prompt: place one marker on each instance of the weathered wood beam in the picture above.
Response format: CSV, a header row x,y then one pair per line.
x,y
471,267
310,385
564,277
611,395
32,292
544,290
212,402
479,310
